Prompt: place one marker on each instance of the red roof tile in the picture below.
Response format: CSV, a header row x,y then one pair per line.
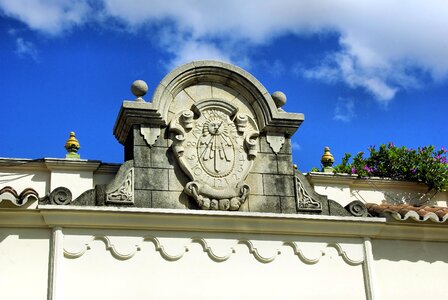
x,y
405,211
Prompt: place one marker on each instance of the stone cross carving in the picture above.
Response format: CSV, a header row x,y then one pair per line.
x,y
215,147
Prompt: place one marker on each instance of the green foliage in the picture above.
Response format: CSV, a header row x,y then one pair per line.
x,y
425,164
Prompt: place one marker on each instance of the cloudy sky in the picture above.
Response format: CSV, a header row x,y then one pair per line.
x,y
362,72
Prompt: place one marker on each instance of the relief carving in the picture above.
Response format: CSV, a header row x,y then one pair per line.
x,y
304,200
275,142
215,147
61,196
150,133
124,194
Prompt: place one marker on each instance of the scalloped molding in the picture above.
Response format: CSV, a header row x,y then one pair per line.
x,y
254,250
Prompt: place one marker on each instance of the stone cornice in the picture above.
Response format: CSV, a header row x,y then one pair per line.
x,y
135,113
354,182
49,216
52,164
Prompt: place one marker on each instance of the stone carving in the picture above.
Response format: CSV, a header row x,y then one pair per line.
x,y
150,133
216,150
124,193
357,208
61,196
275,142
304,200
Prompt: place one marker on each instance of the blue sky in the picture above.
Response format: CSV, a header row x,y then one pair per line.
x,y
362,72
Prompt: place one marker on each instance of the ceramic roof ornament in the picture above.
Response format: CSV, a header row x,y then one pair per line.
x,y
327,161
72,147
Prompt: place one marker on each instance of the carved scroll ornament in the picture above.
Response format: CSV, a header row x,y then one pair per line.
x,y
215,147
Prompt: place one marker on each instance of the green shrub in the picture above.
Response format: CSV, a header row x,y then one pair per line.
x,y
424,164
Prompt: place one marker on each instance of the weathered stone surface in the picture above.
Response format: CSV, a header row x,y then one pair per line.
x,y
143,198
137,137
265,164
255,182
88,198
335,209
161,157
177,179
287,147
278,185
264,146
151,179
288,205
200,91
142,156
164,199
163,139
284,163
220,91
264,204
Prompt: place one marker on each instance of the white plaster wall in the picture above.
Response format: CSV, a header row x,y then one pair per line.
x,y
20,180
376,193
410,269
338,193
77,182
173,266
24,257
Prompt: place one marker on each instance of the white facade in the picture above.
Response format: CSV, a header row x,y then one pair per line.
x,y
64,252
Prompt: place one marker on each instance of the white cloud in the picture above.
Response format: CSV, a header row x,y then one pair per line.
x,y
197,50
296,146
344,110
49,16
26,48
344,67
381,42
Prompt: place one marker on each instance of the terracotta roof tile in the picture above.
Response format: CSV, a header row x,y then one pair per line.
x,y
406,211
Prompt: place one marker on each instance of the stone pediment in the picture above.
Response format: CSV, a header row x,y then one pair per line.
x,y
213,138
208,80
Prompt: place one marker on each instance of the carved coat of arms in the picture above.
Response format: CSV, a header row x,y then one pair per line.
x,y
215,146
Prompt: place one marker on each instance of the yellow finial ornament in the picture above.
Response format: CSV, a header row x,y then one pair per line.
x,y
72,146
327,161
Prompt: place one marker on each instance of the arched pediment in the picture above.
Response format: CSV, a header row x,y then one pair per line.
x,y
200,80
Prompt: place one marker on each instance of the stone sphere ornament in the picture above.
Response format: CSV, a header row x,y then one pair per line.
x,y
139,88
279,98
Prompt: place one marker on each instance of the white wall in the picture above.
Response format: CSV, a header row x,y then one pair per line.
x,y
24,255
410,269
181,268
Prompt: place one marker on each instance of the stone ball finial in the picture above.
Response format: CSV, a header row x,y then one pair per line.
x,y
327,159
279,98
139,88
